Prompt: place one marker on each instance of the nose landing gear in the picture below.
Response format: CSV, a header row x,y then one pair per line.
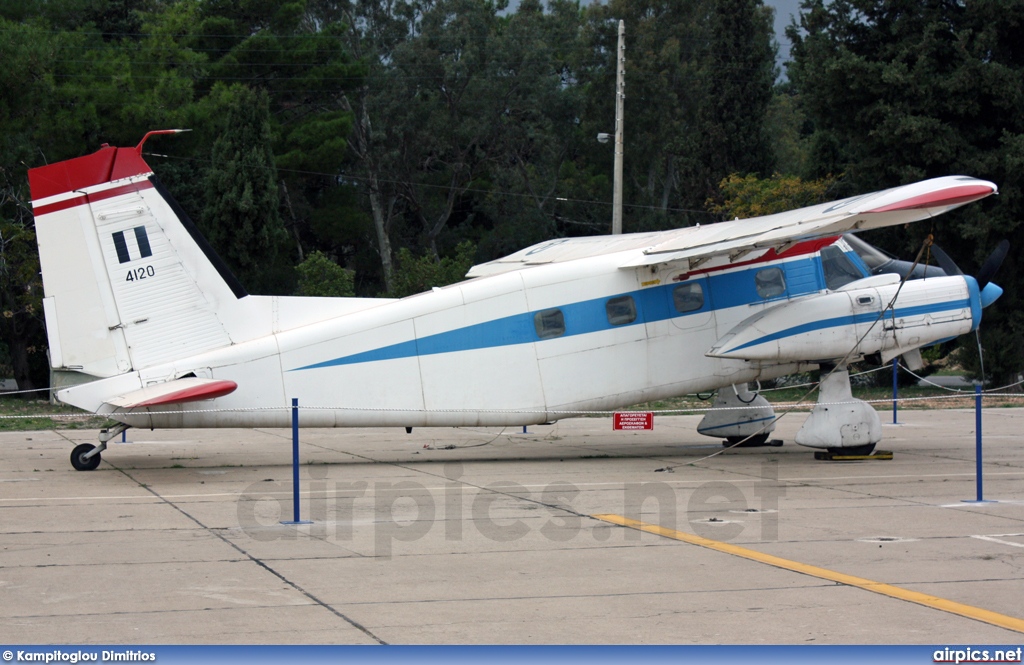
x,y
841,424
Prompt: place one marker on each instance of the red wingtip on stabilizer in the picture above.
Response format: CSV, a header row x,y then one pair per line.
x,y
210,390
105,165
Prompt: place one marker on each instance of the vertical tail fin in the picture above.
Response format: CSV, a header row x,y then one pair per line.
x,y
129,283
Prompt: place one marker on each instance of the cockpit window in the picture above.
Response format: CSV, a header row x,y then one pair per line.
x,y
839,269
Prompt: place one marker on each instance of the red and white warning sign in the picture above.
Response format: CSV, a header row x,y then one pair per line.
x,y
633,420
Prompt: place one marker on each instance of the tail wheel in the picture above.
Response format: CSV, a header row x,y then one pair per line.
x,y
79,459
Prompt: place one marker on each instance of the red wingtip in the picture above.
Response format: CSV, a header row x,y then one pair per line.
x,y
945,197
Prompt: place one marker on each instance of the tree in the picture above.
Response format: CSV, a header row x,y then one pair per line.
x,y
899,91
750,196
374,30
786,124
241,218
21,305
447,105
319,276
663,57
699,79
465,122
295,53
540,184
736,87
422,273
27,91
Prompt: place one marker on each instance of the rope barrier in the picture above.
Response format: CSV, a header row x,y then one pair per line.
x,y
560,412
957,390
814,383
4,393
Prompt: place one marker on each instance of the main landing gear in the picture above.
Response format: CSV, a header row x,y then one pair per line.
x,y
842,425
741,417
86,457
846,428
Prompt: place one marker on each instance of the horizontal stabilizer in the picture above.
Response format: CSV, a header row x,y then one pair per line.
x,y
174,392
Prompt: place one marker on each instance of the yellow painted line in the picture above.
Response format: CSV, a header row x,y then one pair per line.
x,y
934,602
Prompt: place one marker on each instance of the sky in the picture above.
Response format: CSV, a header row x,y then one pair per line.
x,y
785,10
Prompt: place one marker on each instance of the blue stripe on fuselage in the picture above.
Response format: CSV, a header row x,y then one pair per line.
x,y
580,319
731,289
854,319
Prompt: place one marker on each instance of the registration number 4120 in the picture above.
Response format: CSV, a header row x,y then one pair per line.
x,y
142,272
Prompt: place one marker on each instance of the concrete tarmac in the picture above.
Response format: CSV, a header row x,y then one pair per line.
x,y
487,536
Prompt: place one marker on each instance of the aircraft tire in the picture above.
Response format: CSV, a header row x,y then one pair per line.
x,y
865,449
751,442
81,464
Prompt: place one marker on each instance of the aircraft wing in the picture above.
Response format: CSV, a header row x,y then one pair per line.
x,y
174,392
566,249
738,238
899,205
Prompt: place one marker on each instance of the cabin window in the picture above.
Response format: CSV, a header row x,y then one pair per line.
x,y
621,310
549,323
770,282
688,297
839,269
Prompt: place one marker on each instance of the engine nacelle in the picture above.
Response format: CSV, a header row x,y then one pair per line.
x,y
847,322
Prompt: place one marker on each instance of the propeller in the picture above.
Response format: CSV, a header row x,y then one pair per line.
x,y
991,265
989,292
948,266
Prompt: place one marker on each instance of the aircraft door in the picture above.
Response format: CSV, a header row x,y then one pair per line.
x,y
686,329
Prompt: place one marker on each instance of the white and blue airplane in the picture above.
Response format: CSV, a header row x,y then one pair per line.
x,y
147,327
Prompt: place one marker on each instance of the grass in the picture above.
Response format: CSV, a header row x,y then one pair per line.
x,y
48,416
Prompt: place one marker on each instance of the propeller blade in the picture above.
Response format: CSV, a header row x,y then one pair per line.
x,y
945,262
992,263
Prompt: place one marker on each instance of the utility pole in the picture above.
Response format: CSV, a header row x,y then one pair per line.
x,y
620,96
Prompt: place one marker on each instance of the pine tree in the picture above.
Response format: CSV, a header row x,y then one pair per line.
x,y
241,218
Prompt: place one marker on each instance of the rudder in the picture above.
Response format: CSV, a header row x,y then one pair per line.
x,y
128,281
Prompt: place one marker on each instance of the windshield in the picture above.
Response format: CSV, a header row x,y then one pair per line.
x,y
839,269
872,257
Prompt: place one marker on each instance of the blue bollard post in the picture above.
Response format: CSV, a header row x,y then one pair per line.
x,y
295,459
977,439
295,465
895,388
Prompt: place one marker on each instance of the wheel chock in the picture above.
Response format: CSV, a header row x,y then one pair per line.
x,y
836,457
